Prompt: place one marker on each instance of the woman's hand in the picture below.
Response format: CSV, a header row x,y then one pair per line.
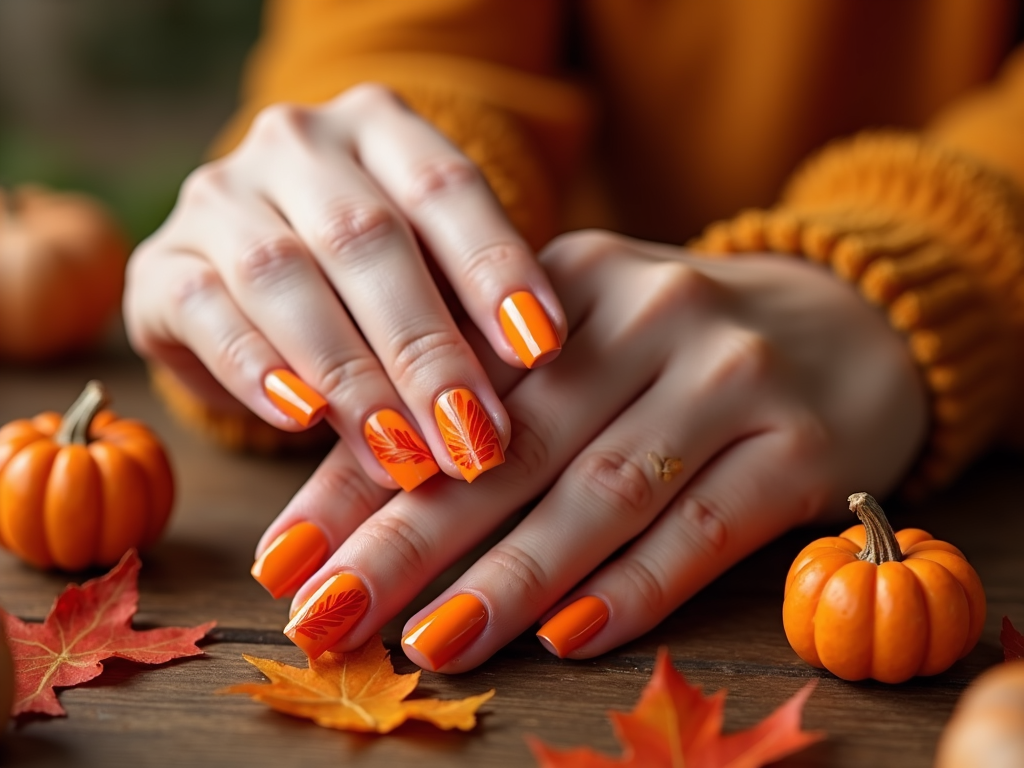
x,y
700,409
303,252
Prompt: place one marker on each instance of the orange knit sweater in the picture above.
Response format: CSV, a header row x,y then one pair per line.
x,y
657,118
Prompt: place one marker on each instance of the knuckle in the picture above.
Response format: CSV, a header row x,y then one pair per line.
x,y
673,285
805,440
404,547
204,185
649,584
529,578
437,177
583,250
266,261
702,525
745,358
338,378
196,285
356,230
278,121
484,266
366,96
235,350
619,483
530,453
412,353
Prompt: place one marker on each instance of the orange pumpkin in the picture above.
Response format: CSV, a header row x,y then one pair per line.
x,y
987,727
873,604
83,489
62,260
6,679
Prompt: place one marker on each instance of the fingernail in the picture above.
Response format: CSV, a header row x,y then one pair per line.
x,y
328,615
468,434
292,558
293,397
399,449
528,328
572,626
448,630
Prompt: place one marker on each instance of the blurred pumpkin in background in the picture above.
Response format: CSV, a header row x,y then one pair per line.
x,y
62,258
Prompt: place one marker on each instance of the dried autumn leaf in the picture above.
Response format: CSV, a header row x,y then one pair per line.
x,y
398,446
467,432
355,691
674,725
1012,641
86,625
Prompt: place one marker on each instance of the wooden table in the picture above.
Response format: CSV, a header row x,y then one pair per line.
x,y
730,636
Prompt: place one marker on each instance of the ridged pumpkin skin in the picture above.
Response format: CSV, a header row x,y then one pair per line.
x,y
86,503
987,727
889,622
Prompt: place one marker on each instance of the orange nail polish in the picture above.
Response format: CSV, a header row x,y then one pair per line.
x,y
572,626
528,328
399,449
468,434
293,397
292,558
328,615
448,630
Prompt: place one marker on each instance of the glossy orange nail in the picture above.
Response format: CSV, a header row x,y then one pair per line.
x,y
292,558
448,630
572,626
328,615
399,449
293,397
468,434
528,328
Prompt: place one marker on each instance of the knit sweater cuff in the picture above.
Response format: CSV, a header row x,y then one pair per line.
x,y
934,239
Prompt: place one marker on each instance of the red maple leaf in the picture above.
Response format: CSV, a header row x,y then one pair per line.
x,y
1012,640
86,625
674,724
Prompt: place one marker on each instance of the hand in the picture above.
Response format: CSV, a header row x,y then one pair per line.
x,y
300,252
775,386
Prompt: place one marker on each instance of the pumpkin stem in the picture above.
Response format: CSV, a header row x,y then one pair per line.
x,y
880,544
74,427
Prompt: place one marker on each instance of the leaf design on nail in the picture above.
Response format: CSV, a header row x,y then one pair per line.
x,y
332,612
467,431
397,446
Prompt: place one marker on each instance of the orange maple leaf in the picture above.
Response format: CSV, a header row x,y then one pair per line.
x,y
355,691
675,725
86,625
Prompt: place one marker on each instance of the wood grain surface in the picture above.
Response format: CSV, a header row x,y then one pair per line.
x,y
730,636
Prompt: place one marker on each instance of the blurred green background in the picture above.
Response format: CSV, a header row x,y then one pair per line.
x,y
119,98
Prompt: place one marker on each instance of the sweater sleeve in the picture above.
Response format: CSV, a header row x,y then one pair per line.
x,y
930,228
484,73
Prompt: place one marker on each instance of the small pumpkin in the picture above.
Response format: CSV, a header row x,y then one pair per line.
x,y
871,603
81,489
62,258
987,727
6,679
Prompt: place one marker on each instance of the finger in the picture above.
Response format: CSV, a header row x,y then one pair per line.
x,y
608,495
282,291
370,257
413,538
452,208
755,492
335,500
197,313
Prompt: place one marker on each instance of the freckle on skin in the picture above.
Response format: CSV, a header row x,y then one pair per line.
x,y
712,528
